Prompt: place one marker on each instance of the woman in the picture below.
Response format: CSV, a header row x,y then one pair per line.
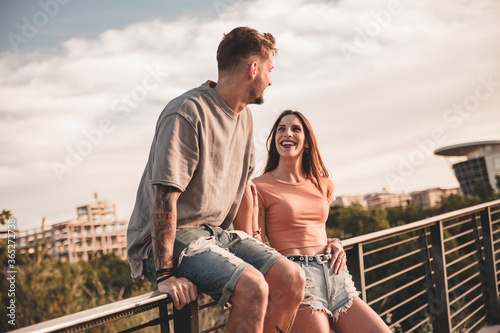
x,y
294,195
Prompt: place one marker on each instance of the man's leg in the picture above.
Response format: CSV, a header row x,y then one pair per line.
x,y
286,282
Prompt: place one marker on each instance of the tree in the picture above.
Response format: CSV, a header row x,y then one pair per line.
x,y
483,190
5,215
355,220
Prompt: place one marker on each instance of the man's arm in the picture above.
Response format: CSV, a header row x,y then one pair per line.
x,y
163,230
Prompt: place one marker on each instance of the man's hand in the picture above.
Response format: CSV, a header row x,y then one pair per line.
x,y
181,290
339,258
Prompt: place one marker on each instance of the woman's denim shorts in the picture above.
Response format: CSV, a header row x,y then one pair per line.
x,y
214,259
326,291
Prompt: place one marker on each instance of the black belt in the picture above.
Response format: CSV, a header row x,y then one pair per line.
x,y
317,258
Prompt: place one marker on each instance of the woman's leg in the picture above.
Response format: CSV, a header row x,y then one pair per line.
x,y
309,321
360,318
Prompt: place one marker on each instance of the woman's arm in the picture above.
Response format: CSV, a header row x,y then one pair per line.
x,y
246,218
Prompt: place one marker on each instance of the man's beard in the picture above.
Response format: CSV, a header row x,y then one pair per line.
x,y
255,98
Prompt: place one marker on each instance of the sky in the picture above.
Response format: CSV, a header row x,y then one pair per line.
x,y
384,83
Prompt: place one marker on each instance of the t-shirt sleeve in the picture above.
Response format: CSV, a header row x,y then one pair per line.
x,y
176,152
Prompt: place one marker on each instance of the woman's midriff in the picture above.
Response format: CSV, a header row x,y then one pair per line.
x,y
306,251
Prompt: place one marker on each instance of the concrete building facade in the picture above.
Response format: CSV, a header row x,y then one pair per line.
x,y
94,232
430,197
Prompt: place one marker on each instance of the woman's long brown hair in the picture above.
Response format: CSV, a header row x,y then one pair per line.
x,y
312,164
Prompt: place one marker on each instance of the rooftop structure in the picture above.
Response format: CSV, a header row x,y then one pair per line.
x,y
480,163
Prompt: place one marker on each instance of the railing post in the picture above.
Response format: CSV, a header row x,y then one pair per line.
x,y
186,319
356,265
164,322
431,292
440,306
490,285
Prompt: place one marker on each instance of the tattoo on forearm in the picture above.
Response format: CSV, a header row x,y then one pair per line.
x,y
163,228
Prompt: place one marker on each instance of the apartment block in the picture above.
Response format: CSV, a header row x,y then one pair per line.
x,y
95,231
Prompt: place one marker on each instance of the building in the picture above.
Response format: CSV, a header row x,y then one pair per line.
x,y
430,197
347,200
479,162
385,199
94,232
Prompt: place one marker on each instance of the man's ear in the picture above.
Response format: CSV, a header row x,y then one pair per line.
x,y
252,70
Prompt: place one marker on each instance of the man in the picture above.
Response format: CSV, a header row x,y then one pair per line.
x,y
199,170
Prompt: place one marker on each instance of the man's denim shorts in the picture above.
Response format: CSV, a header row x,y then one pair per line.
x,y
326,291
214,259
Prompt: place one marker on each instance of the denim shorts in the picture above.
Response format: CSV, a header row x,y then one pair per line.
x,y
326,291
214,259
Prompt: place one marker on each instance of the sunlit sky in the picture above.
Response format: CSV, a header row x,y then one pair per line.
x,y
384,83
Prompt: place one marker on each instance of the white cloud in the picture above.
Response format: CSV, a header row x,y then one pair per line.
x,y
367,113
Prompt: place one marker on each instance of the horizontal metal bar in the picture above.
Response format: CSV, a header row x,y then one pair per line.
x,y
460,259
408,300
466,305
468,317
463,282
456,299
493,212
394,275
396,290
390,246
495,232
201,307
409,315
463,269
467,232
214,328
478,322
460,247
382,234
385,263
418,325
457,224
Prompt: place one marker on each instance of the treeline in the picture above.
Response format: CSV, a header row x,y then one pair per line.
x,y
46,288
355,220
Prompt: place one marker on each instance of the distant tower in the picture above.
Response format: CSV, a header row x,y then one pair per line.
x,y
480,163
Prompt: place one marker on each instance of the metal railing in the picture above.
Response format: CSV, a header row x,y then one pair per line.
x,y
440,274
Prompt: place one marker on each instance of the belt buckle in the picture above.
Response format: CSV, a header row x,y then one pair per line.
x,y
319,258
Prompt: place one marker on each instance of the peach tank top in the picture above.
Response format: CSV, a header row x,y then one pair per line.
x,y
295,212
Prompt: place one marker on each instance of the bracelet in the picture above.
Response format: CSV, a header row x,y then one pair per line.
x,y
331,240
258,232
168,271
163,278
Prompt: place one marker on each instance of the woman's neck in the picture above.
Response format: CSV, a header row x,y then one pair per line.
x,y
289,170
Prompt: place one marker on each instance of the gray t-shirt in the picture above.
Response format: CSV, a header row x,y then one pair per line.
x,y
203,148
